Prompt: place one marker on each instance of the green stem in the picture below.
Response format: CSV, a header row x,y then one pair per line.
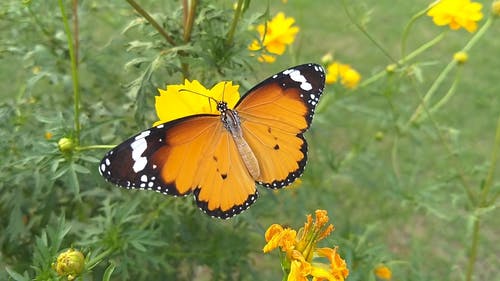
x,y
97,259
482,203
363,30
406,31
473,249
152,21
493,162
92,147
402,61
445,98
237,14
439,80
74,73
189,18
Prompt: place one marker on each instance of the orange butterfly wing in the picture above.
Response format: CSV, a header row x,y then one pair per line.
x,y
192,154
274,116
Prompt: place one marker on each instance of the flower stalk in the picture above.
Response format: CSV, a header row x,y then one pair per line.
x,y
74,72
237,14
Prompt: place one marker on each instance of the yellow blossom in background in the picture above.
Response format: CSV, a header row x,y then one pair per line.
x,y
383,272
300,248
456,14
495,7
48,135
274,37
347,75
192,98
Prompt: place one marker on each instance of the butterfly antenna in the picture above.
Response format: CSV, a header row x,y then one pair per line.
x,y
200,94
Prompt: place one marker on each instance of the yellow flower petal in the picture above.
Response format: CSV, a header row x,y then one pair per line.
x,y
456,14
338,266
348,76
191,98
299,269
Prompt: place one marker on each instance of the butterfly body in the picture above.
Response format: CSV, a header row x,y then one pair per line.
x,y
220,157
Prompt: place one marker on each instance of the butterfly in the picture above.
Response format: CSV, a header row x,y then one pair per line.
x,y
219,158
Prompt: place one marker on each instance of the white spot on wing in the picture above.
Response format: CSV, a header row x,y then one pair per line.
x,y
296,76
143,135
138,147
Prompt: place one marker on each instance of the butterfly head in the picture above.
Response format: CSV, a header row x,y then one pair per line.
x,y
222,107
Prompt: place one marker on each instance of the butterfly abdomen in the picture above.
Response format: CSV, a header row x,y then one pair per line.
x,y
232,123
248,157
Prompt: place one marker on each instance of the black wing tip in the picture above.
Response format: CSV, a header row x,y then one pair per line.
x,y
218,213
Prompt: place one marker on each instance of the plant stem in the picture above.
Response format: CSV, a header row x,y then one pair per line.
x,y
406,31
482,203
363,30
91,147
237,14
152,21
74,73
446,97
189,15
493,162
402,61
473,250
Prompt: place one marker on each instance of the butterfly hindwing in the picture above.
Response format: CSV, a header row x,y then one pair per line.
x,y
274,115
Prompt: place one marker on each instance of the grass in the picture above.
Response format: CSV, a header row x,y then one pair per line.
x,y
393,192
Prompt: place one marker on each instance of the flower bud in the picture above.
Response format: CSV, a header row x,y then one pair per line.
x,y
65,145
379,136
327,58
460,57
70,264
391,68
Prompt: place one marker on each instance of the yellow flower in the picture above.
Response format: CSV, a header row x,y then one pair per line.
x,y
69,264
274,37
48,135
193,98
460,57
383,272
338,266
299,268
348,76
456,14
302,247
277,236
495,8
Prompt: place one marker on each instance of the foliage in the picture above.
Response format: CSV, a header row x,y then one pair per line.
x,y
404,160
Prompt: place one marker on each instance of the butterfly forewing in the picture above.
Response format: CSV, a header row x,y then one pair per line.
x,y
274,114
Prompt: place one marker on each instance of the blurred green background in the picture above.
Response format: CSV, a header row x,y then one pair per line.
x,y
394,196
